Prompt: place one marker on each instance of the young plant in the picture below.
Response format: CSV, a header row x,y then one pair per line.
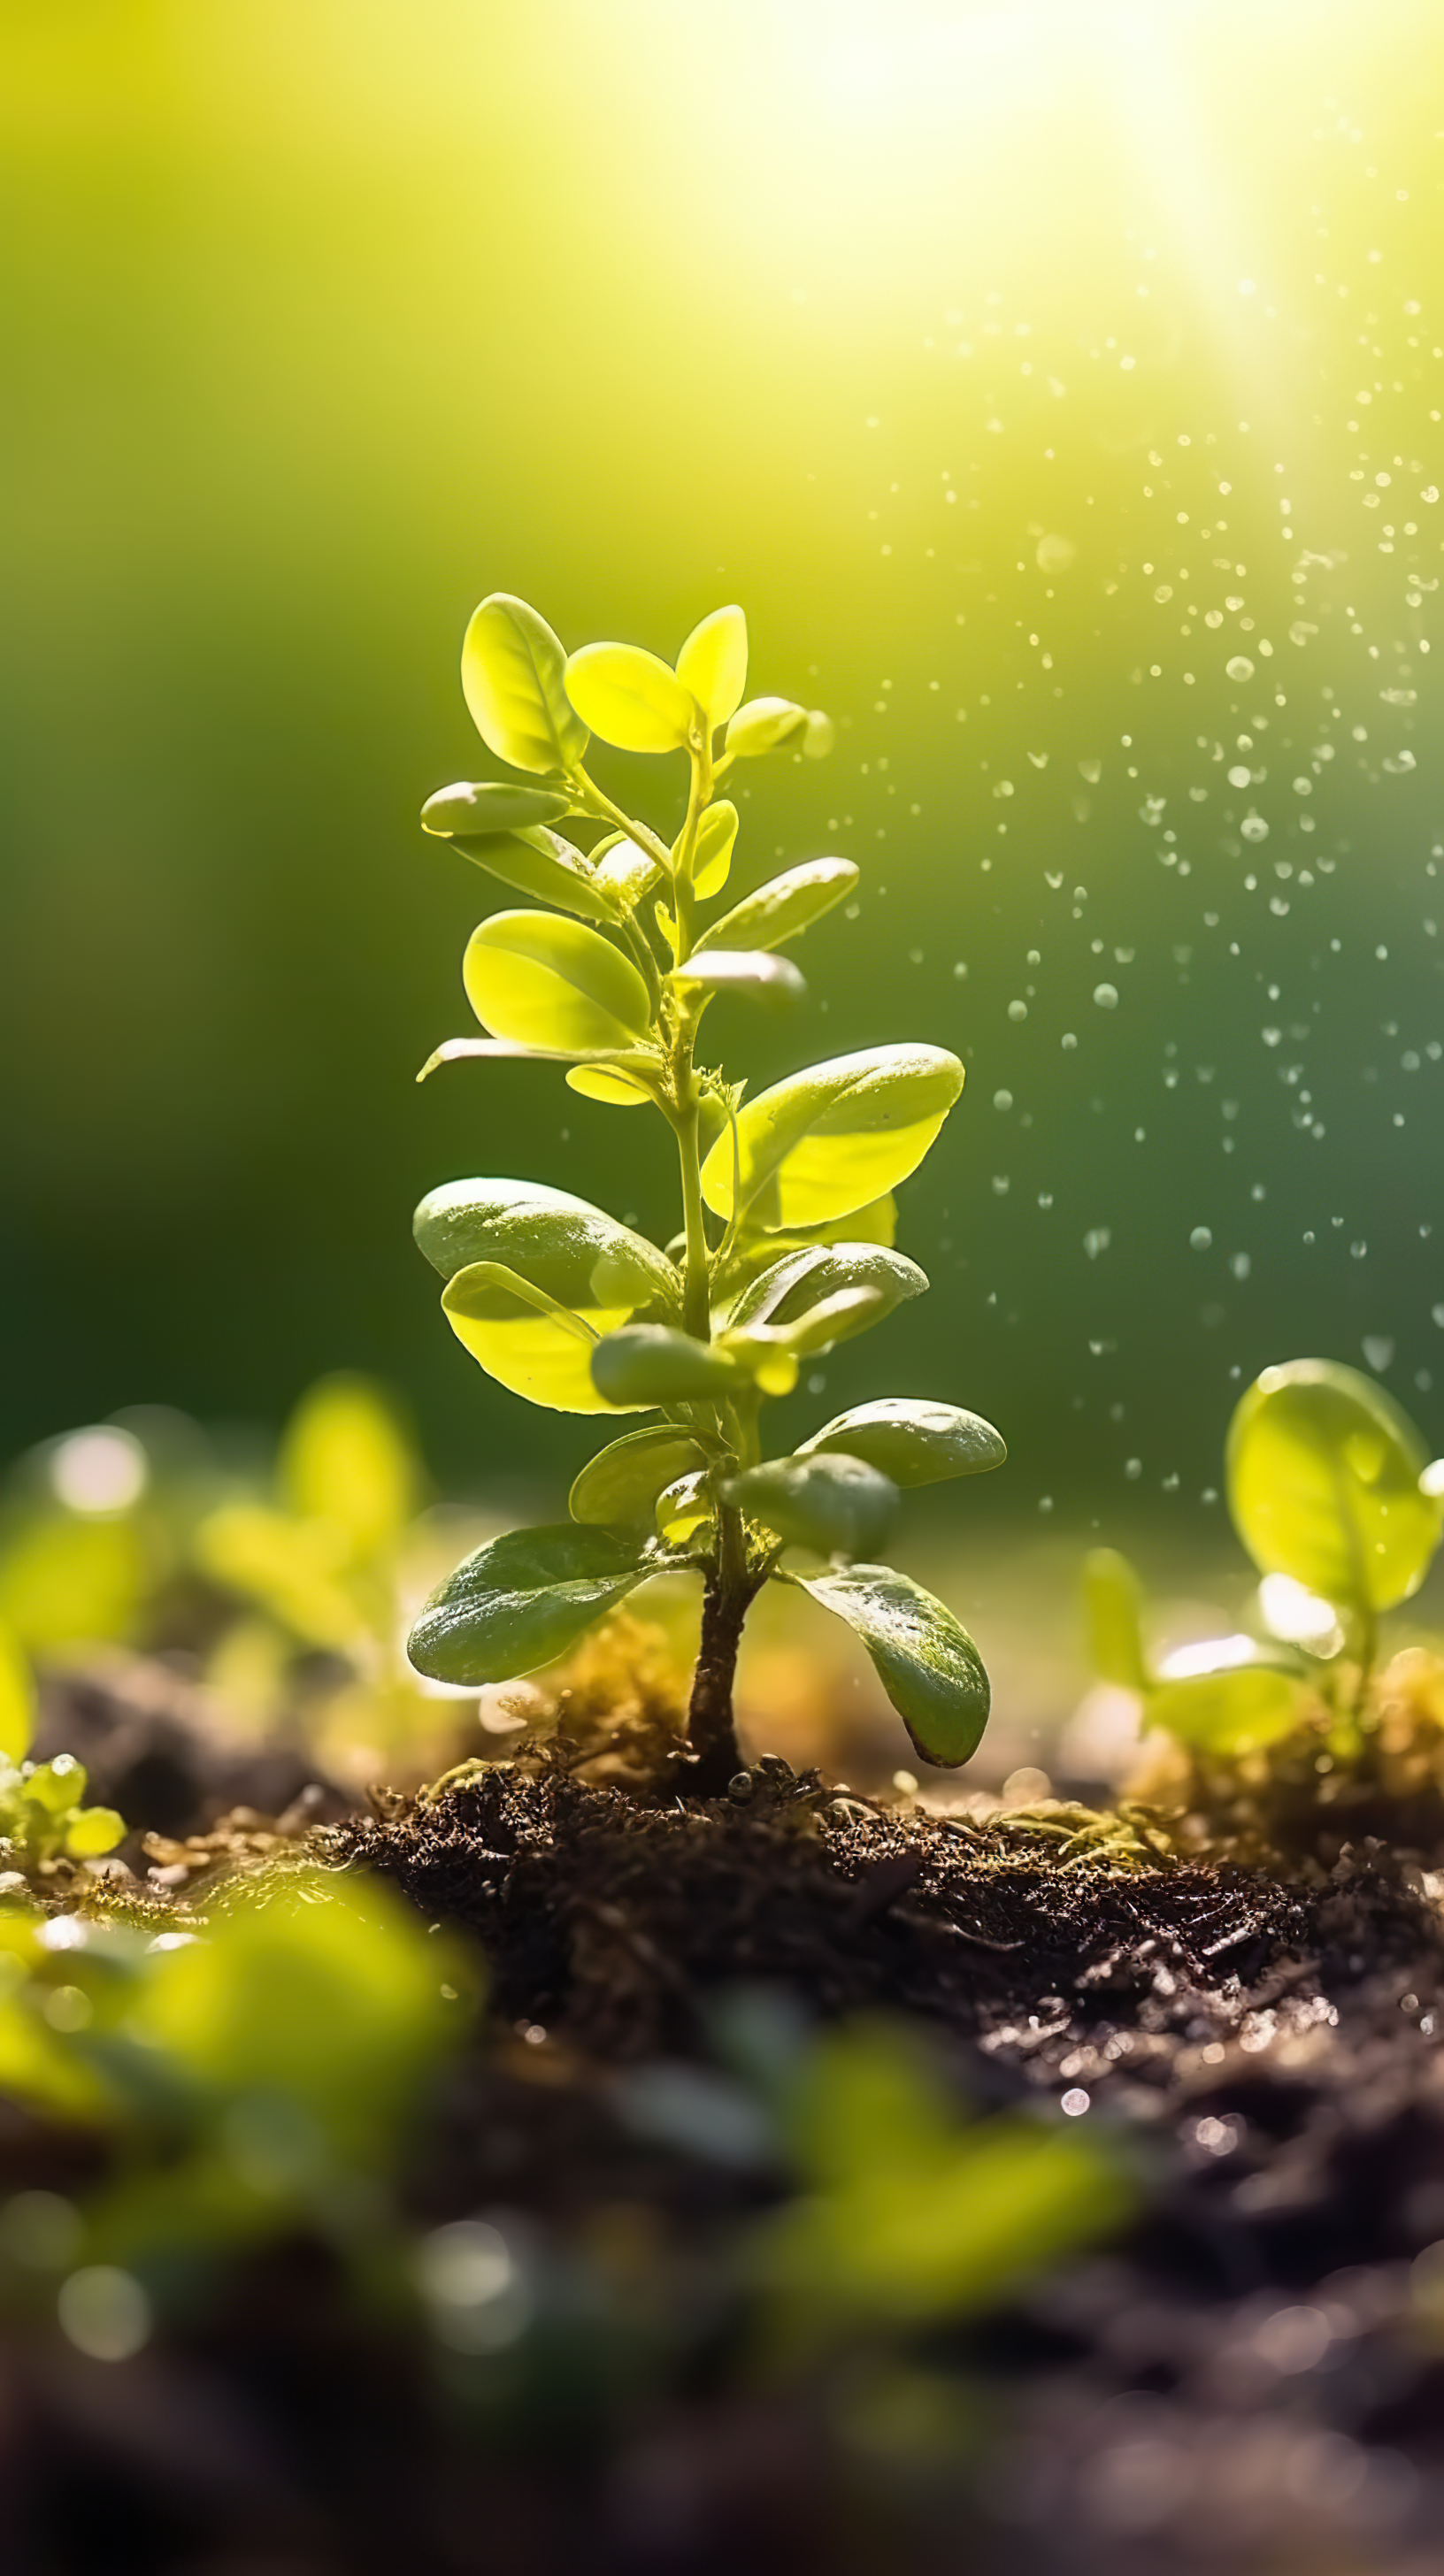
x,y
1332,1494
41,1815
786,1244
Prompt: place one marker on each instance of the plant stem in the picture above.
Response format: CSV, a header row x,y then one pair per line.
x,y
726,1599
696,1292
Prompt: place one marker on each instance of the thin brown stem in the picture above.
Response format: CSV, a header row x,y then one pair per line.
x,y
726,1599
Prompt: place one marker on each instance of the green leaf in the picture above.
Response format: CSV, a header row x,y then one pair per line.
x,y
625,1060
712,665
913,1441
553,983
621,1484
925,1659
763,725
646,1364
751,972
1229,1697
839,1506
513,679
712,853
521,1601
17,1701
491,805
541,863
630,698
783,907
684,1508
94,1830
604,1082
574,1254
1323,1484
756,1250
835,1136
819,735
345,1459
807,1282
623,872
1113,1610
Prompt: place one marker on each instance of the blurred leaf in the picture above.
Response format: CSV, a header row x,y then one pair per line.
x,y
297,1569
912,1440
839,1506
1323,1483
346,1459
763,725
521,1600
712,856
553,983
835,1136
491,805
646,1364
1228,1698
513,679
578,1256
1113,1608
623,871
621,1484
784,907
925,1659
541,863
907,2216
753,973
712,665
818,735
65,1578
630,698
17,1701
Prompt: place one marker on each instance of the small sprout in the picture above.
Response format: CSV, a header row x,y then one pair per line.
x,y
786,1247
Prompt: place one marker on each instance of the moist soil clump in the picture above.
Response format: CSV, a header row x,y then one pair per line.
x,y
1249,2376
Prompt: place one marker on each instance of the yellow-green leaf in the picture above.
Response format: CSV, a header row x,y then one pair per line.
x,y
513,679
752,972
475,806
647,1364
783,907
346,1459
763,725
93,1831
623,871
835,1136
1229,1697
602,1082
574,1255
630,698
553,983
539,862
712,854
1323,1484
712,665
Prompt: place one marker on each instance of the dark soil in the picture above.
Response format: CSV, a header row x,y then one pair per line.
x,y
1250,2379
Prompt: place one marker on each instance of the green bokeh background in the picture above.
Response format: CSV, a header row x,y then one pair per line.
x,y
322,320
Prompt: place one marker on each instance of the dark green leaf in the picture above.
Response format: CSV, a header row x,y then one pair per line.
x,y
522,1600
925,1659
621,1484
911,1440
840,1506
646,1364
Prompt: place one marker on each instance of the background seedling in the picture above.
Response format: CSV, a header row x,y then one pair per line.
x,y
41,1813
1332,1493
786,1246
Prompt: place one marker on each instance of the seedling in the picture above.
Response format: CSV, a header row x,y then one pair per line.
x,y
787,1208
41,1815
1332,1494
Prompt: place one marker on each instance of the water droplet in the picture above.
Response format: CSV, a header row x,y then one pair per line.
x,y
1253,827
1055,553
1239,668
1017,1010
1002,1100
1200,1239
1097,1240
1240,1265
1092,770
1240,776
1106,996
1378,1351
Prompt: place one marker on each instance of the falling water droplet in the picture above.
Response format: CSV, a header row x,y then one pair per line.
x,y
1239,668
